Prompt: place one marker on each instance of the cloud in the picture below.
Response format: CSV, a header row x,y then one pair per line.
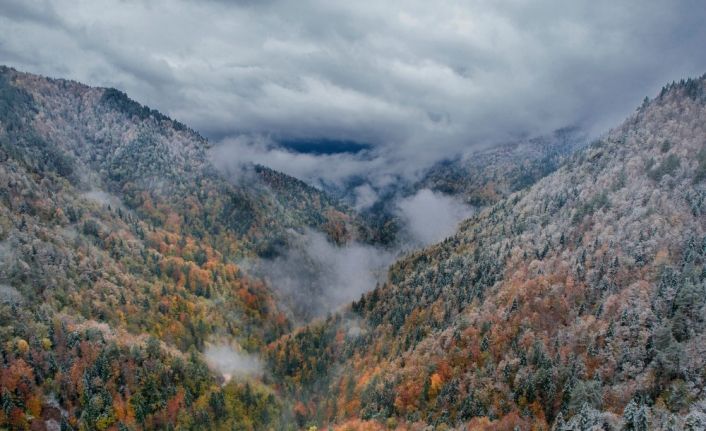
x,y
231,362
430,217
419,80
103,198
365,197
234,155
314,276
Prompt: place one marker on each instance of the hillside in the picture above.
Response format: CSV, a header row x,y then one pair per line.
x,y
486,176
578,303
479,178
118,250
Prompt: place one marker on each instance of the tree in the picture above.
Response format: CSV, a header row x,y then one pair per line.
x,y
586,393
635,417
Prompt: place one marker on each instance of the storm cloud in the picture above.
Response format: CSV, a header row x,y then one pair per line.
x,y
418,80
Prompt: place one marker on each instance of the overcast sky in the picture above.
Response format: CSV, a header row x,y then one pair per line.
x,y
418,79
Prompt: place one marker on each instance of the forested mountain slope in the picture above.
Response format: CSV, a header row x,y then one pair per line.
x,y
479,178
98,137
118,250
579,303
485,176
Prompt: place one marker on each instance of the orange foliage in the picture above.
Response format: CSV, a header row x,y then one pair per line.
x,y
509,422
248,298
34,405
174,405
12,375
408,395
300,410
436,381
444,370
120,408
199,277
230,271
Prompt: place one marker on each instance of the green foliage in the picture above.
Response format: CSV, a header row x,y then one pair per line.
x,y
23,144
620,181
377,400
635,417
667,167
116,99
700,173
490,175
586,392
596,203
86,271
535,312
693,88
526,314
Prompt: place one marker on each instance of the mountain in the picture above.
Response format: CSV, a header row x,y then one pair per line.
x,y
119,251
575,298
483,177
478,178
577,303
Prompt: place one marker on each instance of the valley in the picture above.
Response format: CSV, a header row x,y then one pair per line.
x,y
146,285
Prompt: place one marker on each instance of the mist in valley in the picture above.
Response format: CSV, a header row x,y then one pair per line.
x,y
313,276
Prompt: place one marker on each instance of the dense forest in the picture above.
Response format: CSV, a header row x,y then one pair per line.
x,y
119,244
575,298
576,304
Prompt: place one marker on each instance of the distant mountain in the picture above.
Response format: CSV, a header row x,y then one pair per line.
x,y
484,177
480,177
119,244
577,303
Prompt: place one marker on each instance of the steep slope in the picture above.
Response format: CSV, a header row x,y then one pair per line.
x,y
580,302
107,140
118,250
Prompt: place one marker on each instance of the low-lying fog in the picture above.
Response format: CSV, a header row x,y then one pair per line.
x,y
314,276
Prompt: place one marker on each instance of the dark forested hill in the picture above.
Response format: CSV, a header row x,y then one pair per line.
x,y
576,304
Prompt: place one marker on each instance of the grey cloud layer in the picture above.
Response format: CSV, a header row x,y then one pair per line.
x,y
423,78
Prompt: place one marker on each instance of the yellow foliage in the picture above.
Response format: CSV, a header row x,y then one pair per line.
x,y
46,344
22,346
104,422
34,406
